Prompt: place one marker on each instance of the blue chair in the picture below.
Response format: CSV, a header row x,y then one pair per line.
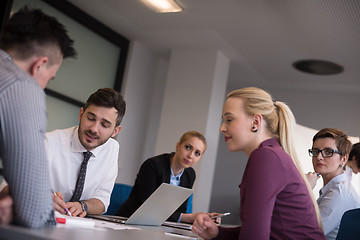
x,y
350,225
119,195
189,204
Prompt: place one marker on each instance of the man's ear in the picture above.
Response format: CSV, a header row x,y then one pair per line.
x,y
116,131
81,113
37,65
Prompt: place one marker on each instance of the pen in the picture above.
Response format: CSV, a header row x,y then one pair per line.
x,y
220,215
66,209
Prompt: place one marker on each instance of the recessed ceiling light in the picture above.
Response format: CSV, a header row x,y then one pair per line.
x,y
163,6
320,67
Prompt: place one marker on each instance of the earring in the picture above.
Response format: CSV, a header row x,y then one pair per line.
x,y
253,129
342,165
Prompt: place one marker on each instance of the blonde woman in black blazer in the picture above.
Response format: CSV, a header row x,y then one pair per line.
x,y
158,169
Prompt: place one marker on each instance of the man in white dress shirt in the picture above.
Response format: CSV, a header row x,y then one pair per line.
x,y
99,122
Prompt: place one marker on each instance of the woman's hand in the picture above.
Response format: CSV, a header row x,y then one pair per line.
x,y
216,220
312,177
190,217
205,227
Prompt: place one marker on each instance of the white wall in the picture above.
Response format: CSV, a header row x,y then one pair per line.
x,y
142,91
322,108
194,92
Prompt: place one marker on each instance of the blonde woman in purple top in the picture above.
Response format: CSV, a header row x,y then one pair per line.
x,y
275,198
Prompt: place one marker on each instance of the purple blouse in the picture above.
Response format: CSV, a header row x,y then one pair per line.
x,y
274,200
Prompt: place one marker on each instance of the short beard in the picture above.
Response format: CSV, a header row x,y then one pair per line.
x,y
85,144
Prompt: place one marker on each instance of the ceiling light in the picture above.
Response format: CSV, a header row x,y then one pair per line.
x,y
163,6
319,67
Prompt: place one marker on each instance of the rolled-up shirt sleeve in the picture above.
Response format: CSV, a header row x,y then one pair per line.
x,y
104,189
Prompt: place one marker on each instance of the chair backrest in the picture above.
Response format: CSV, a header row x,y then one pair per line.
x,y
119,195
350,225
189,204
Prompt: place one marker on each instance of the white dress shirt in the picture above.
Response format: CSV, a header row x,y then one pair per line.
x,y
65,155
175,180
348,173
335,199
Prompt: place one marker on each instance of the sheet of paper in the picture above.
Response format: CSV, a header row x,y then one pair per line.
x,y
69,221
89,223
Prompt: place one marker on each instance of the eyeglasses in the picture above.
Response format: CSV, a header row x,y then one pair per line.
x,y
326,152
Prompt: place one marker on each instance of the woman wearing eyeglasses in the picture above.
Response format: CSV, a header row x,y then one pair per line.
x,y
330,152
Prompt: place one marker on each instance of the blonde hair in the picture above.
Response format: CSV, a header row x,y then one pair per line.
x,y
190,134
280,122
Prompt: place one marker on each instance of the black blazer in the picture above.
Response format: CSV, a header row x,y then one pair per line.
x,y
152,173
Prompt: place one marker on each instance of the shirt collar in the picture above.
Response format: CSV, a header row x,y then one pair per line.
x,y
5,56
177,177
270,142
76,145
338,179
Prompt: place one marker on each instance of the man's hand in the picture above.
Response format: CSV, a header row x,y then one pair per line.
x,y
59,204
76,209
6,211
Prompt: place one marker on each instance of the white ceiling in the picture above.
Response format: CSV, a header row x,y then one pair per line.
x,y
261,37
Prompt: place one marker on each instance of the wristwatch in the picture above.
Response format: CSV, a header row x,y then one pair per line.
x,y
84,206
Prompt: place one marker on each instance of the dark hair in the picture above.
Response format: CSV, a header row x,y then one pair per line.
x,y
341,139
355,151
108,97
32,32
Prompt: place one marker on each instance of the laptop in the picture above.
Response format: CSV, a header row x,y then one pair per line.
x,y
156,209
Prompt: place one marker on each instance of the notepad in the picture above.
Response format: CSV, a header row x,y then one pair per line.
x,y
156,209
